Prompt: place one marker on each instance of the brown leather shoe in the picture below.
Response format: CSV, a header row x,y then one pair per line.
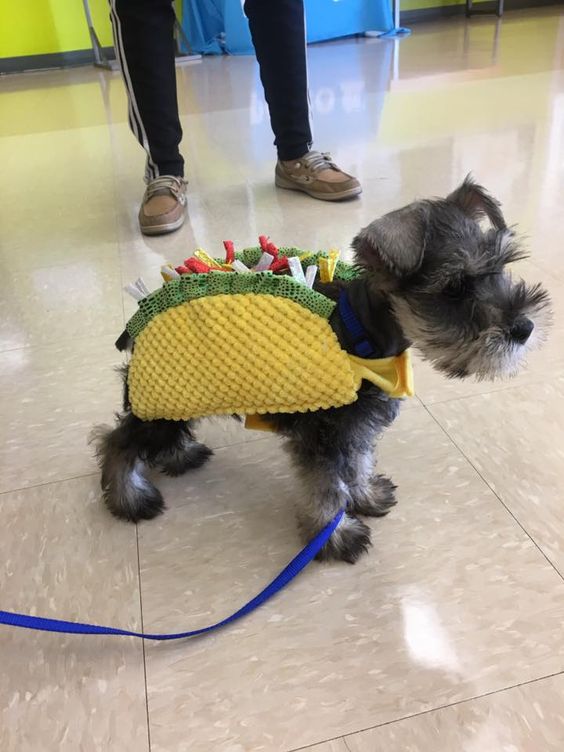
x,y
164,205
318,176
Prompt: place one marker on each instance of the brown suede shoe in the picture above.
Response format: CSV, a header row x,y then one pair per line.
x,y
318,176
164,205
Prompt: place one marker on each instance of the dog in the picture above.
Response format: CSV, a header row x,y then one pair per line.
x,y
434,277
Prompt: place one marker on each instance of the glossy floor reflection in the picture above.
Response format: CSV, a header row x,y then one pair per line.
x,y
448,636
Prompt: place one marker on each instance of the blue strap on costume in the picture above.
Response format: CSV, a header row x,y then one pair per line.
x,y
357,333
286,575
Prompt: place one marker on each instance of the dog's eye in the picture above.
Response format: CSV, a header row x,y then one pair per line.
x,y
460,287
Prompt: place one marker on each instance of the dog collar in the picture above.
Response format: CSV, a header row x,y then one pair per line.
x,y
358,336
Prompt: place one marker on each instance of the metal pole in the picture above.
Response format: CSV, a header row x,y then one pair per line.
x,y
100,59
471,11
181,38
396,9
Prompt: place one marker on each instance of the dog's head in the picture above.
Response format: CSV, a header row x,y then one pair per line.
x,y
446,277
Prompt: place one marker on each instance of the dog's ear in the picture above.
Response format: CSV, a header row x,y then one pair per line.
x,y
476,203
395,242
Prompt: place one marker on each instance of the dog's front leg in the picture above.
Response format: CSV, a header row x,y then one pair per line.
x,y
371,494
320,460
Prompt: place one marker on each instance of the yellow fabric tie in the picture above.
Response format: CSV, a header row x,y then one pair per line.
x,y
393,375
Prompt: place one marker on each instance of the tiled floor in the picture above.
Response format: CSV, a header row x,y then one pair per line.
x,y
449,636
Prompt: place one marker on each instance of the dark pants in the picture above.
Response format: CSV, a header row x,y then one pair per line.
x,y
144,42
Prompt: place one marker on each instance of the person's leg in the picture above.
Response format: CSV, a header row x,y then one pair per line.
x,y
144,44
278,33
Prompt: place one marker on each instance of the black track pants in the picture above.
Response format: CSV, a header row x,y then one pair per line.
x,y
144,42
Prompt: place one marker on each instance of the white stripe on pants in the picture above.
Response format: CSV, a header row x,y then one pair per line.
x,y
151,169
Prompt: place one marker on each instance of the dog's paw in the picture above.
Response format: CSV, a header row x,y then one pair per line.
x,y
179,461
378,499
135,499
349,541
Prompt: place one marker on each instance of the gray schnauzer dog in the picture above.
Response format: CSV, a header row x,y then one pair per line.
x,y
433,276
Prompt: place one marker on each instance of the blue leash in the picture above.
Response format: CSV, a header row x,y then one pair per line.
x,y
286,575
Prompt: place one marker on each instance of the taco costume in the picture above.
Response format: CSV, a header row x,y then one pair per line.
x,y
212,341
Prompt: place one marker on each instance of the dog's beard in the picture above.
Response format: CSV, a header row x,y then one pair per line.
x,y
494,356
489,356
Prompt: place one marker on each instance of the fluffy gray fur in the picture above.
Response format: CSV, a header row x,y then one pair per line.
x,y
433,276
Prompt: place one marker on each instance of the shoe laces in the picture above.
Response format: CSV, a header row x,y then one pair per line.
x,y
317,161
170,183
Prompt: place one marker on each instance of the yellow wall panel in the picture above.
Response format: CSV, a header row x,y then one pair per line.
x,y
40,27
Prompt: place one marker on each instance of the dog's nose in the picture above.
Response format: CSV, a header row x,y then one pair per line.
x,y
521,329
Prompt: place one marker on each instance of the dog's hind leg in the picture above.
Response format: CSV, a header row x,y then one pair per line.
x,y
125,453
179,451
167,444
122,456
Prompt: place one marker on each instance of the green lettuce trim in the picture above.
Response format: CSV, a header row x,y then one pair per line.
x,y
193,286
